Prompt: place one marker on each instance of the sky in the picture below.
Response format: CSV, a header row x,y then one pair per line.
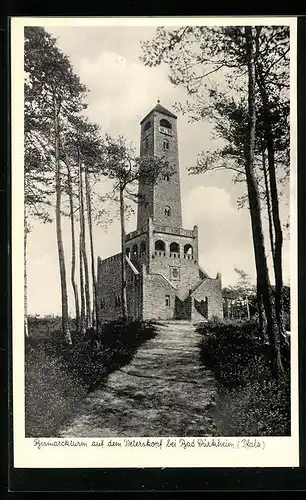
x,y
121,92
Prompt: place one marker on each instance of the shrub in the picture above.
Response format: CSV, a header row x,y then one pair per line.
x,y
250,401
227,348
57,375
46,327
260,408
50,391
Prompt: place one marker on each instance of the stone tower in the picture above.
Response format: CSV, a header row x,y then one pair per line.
x,y
163,277
160,201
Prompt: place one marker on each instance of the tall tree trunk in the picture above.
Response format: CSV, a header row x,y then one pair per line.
x,y
255,211
81,238
261,314
60,246
85,262
93,273
123,259
82,294
271,235
269,138
26,327
72,227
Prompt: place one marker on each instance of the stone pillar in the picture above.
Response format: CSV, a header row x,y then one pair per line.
x,y
181,250
195,244
150,242
218,278
167,248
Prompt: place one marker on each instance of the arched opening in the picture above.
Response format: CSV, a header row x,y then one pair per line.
x,y
165,144
147,126
134,250
188,251
164,123
160,246
174,249
167,211
128,251
142,247
166,177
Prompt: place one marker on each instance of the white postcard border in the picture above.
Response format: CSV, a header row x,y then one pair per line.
x,y
271,451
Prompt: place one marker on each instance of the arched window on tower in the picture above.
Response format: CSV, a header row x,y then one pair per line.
x,y
174,249
188,252
166,177
165,123
167,211
160,248
160,245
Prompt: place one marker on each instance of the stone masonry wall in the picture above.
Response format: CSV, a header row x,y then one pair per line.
x,y
210,288
167,192
145,190
109,288
187,266
189,273
155,290
134,294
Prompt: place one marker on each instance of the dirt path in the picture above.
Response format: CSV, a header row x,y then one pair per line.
x,y
164,391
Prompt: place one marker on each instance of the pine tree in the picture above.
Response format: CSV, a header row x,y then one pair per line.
x,y
54,92
193,54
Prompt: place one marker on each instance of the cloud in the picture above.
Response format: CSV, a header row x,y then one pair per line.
x,y
208,201
224,231
120,91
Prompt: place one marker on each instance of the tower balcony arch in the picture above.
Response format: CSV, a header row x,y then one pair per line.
x,y
174,249
160,248
188,251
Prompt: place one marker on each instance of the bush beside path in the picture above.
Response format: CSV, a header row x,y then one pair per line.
x,y
58,376
250,402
